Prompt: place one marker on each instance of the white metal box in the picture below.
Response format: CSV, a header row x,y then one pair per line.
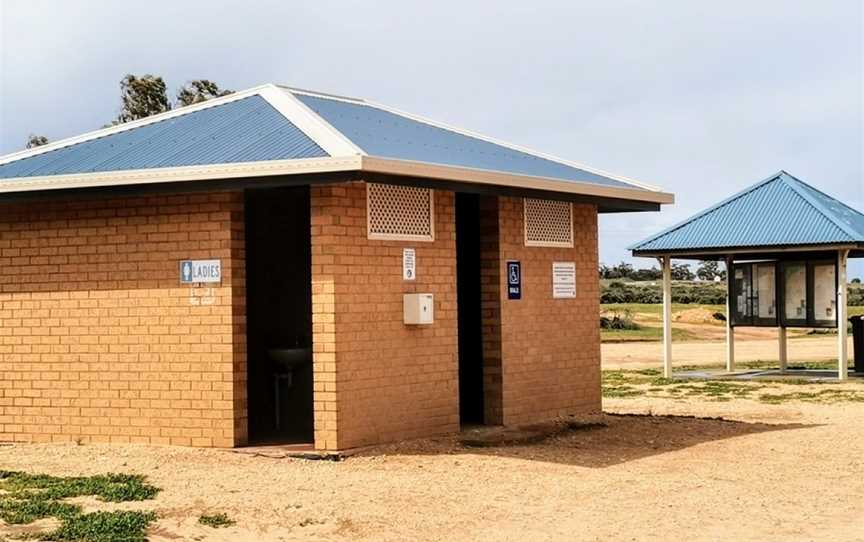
x,y
419,309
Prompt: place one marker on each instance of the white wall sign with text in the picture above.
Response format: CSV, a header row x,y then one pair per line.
x,y
409,264
563,280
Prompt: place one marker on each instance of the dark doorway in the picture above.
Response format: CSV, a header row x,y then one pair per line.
x,y
470,319
279,315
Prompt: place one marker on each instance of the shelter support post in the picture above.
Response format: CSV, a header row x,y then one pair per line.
x,y
842,316
730,330
667,316
784,353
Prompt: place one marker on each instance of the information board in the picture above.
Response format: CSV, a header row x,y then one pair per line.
x,y
563,280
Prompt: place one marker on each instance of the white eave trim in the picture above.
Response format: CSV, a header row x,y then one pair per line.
x,y
324,165
494,178
264,168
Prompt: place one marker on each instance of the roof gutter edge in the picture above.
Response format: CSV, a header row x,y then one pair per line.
x,y
181,174
410,168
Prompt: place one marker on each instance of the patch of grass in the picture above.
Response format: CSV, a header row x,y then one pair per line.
x,y
643,334
821,396
119,526
25,498
106,487
216,520
649,383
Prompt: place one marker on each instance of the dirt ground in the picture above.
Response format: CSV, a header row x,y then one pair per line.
x,y
793,471
762,347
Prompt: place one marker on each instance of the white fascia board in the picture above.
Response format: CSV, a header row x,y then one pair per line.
x,y
264,168
496,178
132,125
475,135
310,123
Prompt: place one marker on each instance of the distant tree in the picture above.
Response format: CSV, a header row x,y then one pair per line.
x,y
708,270
141,97
681,271
198,91
856,280
647,274
34,140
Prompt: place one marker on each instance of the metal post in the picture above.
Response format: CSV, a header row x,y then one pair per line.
x,y
667,316
730,331
842,346
784,353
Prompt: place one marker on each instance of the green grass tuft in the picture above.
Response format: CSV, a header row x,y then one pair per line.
x,y
25,498
216,520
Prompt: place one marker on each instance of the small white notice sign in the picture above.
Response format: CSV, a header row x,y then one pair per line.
x,y
409,264
563,280
200,271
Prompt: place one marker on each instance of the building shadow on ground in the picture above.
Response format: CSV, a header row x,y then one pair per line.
x,y
596,442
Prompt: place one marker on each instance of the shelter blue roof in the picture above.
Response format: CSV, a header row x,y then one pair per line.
x,y
245,130
780,211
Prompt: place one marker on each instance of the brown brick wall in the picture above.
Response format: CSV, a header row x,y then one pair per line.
x,y
100,342
376,379
550,347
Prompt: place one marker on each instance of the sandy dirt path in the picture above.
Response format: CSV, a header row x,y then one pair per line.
x,y
650,354
779,472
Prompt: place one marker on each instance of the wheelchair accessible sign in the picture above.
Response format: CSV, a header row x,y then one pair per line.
x,y
514,280
200,271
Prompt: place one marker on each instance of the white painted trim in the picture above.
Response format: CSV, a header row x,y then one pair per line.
x,y
684,255
131,125
476,135
730,329
310,123
842,316
396,237
530,243
667,316
322,165
182,174
488,177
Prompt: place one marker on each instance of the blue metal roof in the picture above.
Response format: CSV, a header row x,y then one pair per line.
x,y
385,134
244,130
779,211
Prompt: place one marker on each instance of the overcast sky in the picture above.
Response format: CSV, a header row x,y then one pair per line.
x,y
700,98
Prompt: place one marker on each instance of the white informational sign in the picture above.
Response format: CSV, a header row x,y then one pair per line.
x,y
409,264
200,271
824,293
563,280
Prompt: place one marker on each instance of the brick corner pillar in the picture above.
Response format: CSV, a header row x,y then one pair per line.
x,y
549,348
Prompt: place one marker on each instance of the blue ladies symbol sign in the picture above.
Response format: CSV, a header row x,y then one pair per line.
x,y
514,280
200,271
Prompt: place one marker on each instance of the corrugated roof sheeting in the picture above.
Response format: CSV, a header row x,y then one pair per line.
x,y
389,135
771,213
245,130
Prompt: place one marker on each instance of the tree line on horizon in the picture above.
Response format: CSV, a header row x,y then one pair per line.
x,y
705,270
146,95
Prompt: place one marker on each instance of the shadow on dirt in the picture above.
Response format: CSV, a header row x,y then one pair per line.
x,y
593,442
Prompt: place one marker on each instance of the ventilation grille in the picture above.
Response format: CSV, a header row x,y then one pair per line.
x,y
548,223
399,212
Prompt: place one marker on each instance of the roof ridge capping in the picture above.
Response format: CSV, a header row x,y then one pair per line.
x,y
707,211
801,188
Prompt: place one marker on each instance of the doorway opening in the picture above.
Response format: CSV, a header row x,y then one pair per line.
x,y
279,315
470,311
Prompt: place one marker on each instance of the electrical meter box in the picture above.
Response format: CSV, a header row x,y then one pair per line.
x,y
419,309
